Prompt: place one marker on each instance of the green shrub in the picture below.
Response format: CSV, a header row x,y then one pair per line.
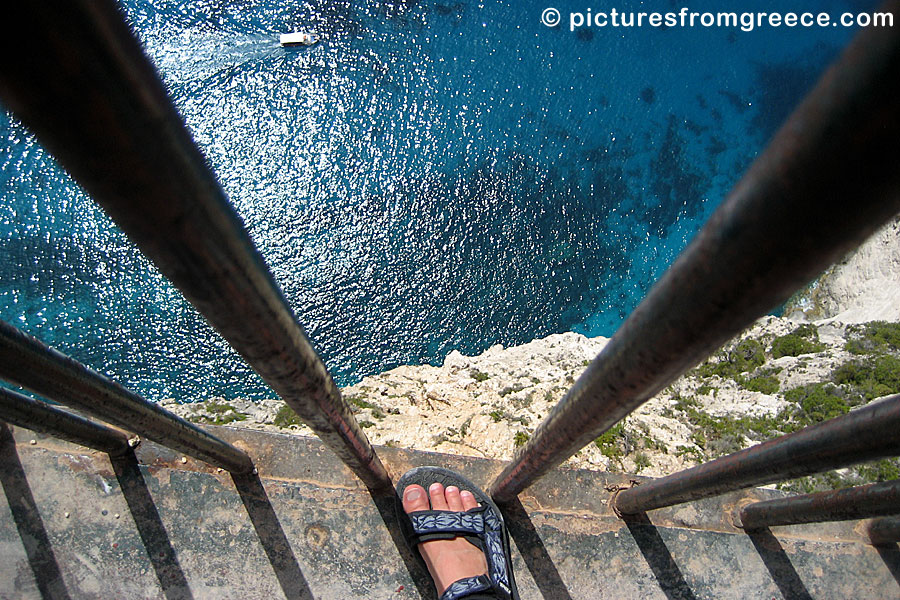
x,y
876,471
859,347
803,340
887,372
747,355
286,417
360,402
230,418
767,384
496,415
882,470
725,444
652,443
817,402
611,441
479,376
520,438
876,377
718,435
223,414
511,389
696,454
218,408
641,462
852,373
815,483
699,439
873,338
682,403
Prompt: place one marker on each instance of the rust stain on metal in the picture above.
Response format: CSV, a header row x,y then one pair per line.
x,y
733,511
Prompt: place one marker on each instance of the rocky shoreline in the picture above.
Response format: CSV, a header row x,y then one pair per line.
x,y
777,376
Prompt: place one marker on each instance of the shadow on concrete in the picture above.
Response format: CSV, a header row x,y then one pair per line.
x,y
534,553
28,521
778,564
150,527
657,555
271,535
890,554
388,505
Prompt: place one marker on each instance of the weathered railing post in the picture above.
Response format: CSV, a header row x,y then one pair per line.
x,y
27,362
22,411
885,530
873,500
863,434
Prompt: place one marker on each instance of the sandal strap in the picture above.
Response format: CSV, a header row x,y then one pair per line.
x,y
496,559
428,522
466,587
477,522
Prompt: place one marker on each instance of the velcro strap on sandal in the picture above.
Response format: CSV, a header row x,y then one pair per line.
x,y
482,528
466,587
441,521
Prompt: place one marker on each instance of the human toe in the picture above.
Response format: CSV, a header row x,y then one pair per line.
x,y
414,499
468,500
438,499
454,502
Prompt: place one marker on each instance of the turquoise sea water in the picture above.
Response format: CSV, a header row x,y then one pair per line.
x,y
432,176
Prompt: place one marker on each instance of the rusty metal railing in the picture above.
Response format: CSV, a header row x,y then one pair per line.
x,y
864,434
27,362
861,502
94,100
35,415
828,179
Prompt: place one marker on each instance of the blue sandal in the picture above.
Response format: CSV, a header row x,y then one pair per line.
x,y
482,526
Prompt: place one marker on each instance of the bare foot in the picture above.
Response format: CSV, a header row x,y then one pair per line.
x,y
447,560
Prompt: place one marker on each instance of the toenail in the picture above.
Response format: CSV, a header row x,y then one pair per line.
x,y
435,487
467,494
452,489
412,494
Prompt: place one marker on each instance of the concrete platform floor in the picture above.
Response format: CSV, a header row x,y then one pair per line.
x,y
73,524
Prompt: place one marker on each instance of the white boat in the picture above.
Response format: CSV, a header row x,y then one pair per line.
x,y
299,38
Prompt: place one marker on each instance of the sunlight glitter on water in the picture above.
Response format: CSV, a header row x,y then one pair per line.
x,y
432,176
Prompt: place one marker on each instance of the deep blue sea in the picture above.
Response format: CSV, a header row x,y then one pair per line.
x,y
432,176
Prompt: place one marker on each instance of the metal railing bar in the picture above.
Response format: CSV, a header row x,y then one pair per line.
x,y
861,502
885,530
97,103
22,411
30,364
827,180
863,434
